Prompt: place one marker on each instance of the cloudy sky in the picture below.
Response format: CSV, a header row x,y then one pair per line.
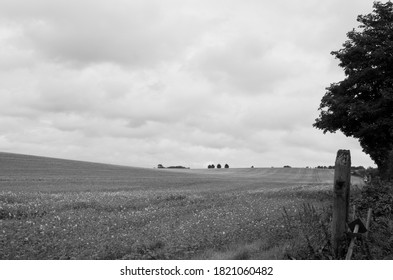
x,y
176,82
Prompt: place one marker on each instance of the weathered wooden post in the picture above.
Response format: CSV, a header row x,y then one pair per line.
x,y
342,181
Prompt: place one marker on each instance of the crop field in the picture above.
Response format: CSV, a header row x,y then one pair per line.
x,y
62,209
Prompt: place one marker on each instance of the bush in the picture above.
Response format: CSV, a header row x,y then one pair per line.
x,y
378,196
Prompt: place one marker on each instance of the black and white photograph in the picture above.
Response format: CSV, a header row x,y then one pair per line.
x,y
196,130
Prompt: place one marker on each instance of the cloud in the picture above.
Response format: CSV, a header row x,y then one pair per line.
x,y
132,33
244,65
172,82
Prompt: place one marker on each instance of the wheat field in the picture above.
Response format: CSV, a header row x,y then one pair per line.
x,y
62,209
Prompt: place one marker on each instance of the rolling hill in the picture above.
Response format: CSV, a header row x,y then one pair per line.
x,y
34,173
64,209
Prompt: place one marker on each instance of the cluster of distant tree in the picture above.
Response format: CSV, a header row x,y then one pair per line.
x,y
359,171
173,167
353,168
218,166
179,167
372,172
325,167
357,167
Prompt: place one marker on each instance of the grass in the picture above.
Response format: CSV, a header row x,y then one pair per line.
x,y
57,209
106,225
301,231
306,231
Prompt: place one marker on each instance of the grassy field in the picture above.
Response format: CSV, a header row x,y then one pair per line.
x,y
61,209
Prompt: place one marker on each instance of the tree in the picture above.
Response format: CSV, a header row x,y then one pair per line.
x,y
226,165
218,165
361,105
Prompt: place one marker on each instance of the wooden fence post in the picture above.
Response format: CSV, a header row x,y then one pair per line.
x,y
342,181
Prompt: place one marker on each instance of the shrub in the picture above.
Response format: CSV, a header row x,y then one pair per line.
x,y
378,196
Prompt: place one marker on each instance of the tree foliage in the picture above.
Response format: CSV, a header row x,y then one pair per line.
x,y
361,105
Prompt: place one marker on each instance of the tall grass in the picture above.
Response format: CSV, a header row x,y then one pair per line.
x,y
306,230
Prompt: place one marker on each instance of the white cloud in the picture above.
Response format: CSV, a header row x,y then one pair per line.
x,y
171,82
133,33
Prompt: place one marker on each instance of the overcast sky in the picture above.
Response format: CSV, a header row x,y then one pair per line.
x,y
176,82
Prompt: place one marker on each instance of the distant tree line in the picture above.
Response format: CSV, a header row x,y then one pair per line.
x,y
332,167
178,167
210,166
174,167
